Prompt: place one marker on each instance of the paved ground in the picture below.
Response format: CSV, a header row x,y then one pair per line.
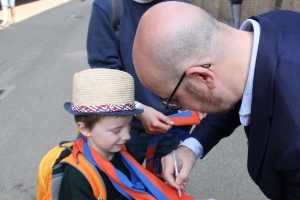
x,y
39,55
28,8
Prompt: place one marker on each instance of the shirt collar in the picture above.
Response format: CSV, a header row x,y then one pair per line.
x,y
245,110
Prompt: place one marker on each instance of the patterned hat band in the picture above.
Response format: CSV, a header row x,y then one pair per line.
x,y
105,108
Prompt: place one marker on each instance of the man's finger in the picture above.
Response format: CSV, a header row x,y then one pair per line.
x,y
168,170
187,162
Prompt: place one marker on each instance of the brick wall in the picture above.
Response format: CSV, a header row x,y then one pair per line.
x,y
291,5
220,9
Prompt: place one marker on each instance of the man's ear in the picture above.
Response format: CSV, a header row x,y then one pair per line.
x,y
83,130
203,74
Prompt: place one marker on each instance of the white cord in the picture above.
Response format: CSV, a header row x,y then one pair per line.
x,y
137,104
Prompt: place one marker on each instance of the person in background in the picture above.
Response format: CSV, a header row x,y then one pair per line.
x,y
5,5
106,49
247,77
235,12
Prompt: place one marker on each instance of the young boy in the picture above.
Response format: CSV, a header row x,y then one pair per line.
x,y
103,110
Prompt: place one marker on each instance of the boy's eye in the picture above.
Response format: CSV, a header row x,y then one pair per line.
x,y
117,131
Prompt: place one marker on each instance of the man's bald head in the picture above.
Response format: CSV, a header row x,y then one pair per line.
x,y
170,37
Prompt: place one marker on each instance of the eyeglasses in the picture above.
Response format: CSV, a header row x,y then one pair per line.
x,y
174,104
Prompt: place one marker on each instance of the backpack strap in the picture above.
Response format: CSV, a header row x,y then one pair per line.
x,y
116,7
90,172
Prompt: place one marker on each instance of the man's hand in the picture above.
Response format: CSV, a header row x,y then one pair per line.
x,y
154,122
187,160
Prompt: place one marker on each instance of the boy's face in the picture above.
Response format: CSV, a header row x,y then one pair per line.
x,y
109,134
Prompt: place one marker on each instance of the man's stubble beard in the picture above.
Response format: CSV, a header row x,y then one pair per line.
x,y
209,102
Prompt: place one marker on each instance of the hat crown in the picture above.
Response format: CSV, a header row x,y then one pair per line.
x,y
94,87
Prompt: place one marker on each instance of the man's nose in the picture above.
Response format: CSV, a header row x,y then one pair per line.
x,y
201,115
182,109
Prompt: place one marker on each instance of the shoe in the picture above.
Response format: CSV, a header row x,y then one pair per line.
x,y
4,24
12,22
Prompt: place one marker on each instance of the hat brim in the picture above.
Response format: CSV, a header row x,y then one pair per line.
x,y
68,107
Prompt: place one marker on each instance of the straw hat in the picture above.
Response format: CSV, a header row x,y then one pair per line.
x,y
102,92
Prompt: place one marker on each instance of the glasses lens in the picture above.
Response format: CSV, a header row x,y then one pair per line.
x,y
172,105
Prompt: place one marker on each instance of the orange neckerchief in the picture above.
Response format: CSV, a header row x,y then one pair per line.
x,y
143,184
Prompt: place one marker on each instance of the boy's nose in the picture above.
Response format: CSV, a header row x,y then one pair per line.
x,y
126,136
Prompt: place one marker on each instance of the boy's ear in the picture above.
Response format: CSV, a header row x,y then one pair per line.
x,y
202,74
83,130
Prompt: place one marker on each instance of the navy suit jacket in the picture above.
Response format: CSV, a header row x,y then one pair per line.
x,y
274,135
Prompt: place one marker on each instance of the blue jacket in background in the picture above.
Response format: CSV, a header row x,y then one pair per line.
x,y
103,47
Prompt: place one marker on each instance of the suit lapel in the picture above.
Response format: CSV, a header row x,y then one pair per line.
x,y
262,99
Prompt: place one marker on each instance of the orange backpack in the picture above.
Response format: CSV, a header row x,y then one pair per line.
x,y
51,170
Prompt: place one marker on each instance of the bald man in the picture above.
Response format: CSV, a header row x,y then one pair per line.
x,y
247,77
